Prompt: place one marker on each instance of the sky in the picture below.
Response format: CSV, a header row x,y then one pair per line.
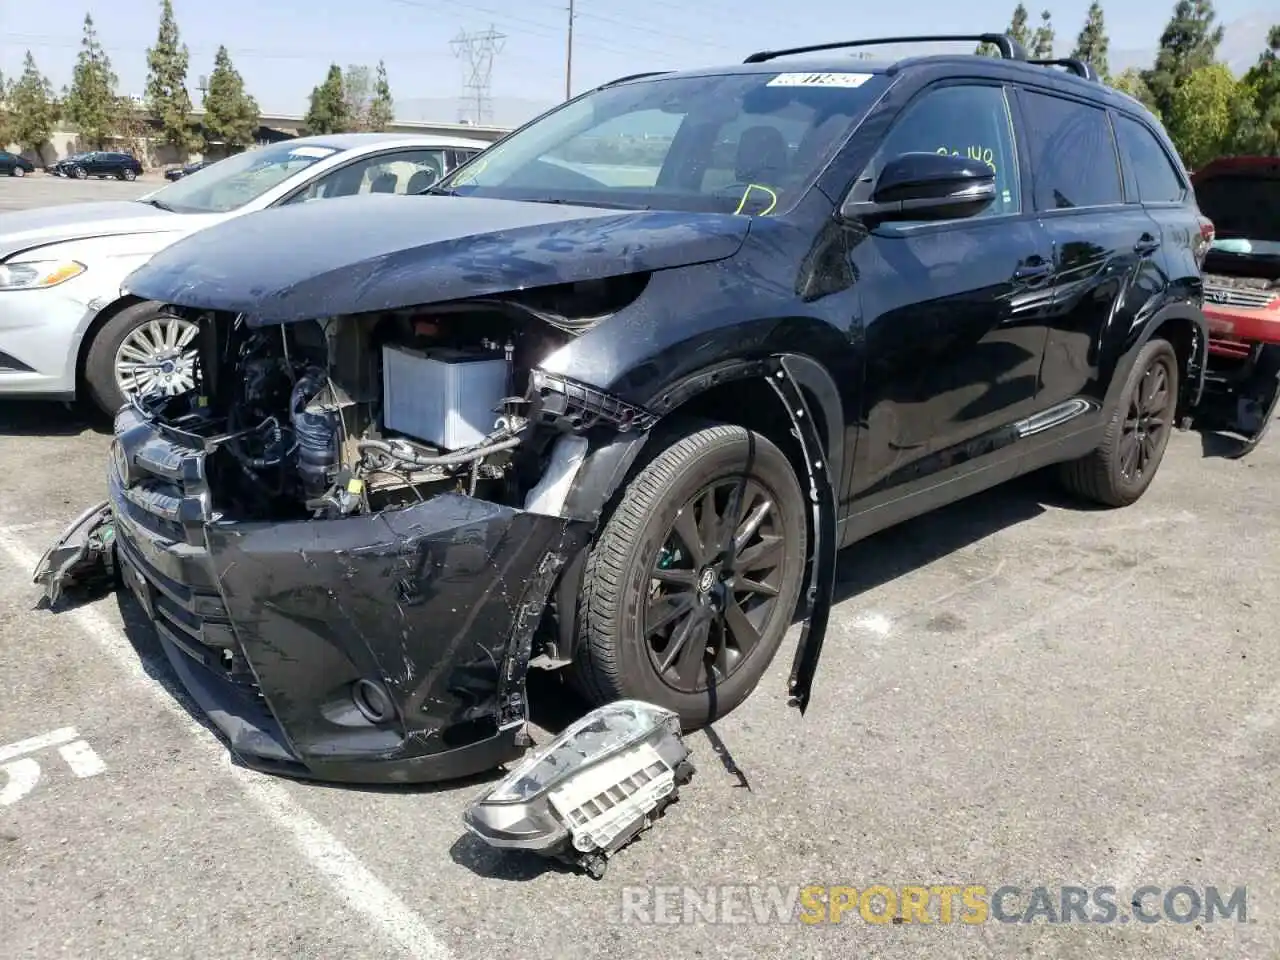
x,y
283,47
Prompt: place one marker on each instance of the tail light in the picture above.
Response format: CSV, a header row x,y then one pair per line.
x,y
1205,241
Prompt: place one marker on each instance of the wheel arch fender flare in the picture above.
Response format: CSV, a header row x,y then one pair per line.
x,y
1175,316
801,384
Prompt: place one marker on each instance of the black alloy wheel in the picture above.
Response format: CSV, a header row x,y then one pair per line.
x,y
694,578
1147,422
1119,470
715,582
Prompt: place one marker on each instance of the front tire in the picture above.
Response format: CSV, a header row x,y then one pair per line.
x,y
668,615
80,173
143,348
1121,469
18,172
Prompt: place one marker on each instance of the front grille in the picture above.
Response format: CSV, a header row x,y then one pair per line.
x,y
194,621
1242,297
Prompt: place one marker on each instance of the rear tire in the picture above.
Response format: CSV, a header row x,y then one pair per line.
x,y
128,174
1122,467
626,586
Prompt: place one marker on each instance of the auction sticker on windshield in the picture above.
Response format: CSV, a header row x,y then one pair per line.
x,y
819,80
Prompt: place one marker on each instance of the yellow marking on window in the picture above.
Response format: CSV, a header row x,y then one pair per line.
x,y
773,200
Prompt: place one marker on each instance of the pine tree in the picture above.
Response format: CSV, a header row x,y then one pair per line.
x,y
33,108
1018,30
167,96
1190,41
1042,42
382,110
230,114
1092,42
327,112
91,102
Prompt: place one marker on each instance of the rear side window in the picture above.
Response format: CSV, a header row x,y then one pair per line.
x,y
1158,179
1073,158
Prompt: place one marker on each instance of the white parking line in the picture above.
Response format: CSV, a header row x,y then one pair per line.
x,y
350,879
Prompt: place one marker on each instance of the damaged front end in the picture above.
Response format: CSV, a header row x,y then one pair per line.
x,y
331,537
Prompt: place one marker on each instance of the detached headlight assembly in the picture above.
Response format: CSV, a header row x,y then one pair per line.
x,y
596,786
38,274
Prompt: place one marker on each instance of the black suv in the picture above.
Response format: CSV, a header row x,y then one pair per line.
x,y
100,164
610,396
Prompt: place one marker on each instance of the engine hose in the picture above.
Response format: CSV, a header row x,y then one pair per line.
x,y
447,460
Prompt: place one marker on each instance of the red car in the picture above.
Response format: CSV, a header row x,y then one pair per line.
x,y
1241,195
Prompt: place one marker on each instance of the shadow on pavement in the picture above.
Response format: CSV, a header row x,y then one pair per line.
x,y
48,418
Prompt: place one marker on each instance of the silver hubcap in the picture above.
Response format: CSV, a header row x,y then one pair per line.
x,y
157,357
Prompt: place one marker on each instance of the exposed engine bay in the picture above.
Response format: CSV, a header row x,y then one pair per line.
x,y
352,415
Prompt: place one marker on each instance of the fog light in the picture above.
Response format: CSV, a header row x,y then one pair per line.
x,y
596,786
372,701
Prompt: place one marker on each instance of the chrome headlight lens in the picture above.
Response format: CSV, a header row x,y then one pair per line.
x,y
597,785
38,274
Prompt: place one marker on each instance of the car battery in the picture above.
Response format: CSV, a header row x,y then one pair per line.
x,y
447,398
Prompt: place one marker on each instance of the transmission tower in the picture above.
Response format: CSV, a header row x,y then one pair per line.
x,y
476,51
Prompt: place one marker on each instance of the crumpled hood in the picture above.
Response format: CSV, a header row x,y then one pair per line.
x,y
381,252
23,229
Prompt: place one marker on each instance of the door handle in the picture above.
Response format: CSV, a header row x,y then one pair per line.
x,y
1146,244
1032,271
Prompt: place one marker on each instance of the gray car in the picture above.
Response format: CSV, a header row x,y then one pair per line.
x,y
64,327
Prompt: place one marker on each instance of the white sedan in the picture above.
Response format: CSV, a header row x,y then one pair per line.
x,y
65,328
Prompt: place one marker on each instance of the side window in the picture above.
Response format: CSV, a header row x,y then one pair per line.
x,y
967,121
1158,179
1073,157
403,172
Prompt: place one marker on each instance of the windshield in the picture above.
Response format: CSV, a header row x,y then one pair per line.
x,y
233,182
1245,212
744,143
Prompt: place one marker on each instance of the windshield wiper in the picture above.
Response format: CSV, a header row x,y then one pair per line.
x,y
159,205
437,192
586,203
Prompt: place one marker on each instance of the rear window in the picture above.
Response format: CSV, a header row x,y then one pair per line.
x,y
1073,158
1158,179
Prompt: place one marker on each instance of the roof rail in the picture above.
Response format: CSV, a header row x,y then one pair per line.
x,y
1080,68
1010,49
633,76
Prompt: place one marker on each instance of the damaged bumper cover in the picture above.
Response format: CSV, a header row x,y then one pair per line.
x,y
369,649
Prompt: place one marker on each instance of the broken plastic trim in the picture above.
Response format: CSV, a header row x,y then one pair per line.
x,y
822,555
591,791
84,556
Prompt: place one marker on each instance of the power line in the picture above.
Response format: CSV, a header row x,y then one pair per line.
x,y
568,57
477,50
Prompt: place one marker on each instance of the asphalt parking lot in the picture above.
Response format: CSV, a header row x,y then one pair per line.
x,y
1015,691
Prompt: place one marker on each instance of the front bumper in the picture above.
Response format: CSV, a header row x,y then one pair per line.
x,y
39,337
270,626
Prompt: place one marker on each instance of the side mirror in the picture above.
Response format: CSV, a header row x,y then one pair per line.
x,y
927,186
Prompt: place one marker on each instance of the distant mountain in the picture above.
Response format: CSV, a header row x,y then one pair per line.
x,y
505,111
1242,40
